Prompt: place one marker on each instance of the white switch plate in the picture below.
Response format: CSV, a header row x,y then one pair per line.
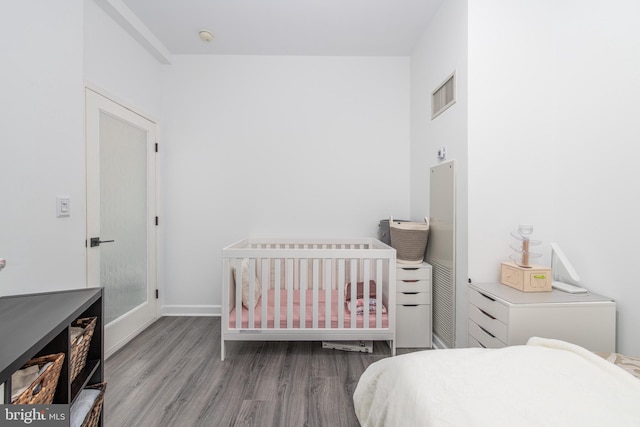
x,y
63,206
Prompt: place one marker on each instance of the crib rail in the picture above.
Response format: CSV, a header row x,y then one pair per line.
x,y
317,248
303,290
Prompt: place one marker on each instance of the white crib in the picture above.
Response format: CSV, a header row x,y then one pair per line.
x,y
300,290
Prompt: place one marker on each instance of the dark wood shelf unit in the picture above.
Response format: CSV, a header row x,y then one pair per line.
x,y
33,325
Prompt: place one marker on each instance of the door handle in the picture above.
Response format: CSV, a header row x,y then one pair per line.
x,y
95,241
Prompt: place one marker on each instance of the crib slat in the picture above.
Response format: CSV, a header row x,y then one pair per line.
x,y
289,272
315,292
354,295
276,297
379,295
252,293
265,292
328,268
341,283
304,266
366,293
238,274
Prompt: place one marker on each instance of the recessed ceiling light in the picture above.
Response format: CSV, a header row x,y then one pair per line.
x,y
205,35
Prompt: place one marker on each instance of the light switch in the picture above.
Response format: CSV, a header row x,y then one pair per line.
x,y
63,206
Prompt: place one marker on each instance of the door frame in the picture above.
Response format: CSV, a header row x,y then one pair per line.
x,y
153,235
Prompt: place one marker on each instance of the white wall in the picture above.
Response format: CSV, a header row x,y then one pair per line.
x,y
53,47
553,100
442,50
596,198
117,64
41,146
276,146
510,130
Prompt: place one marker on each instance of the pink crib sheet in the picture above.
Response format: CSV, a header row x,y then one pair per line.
x,y
308,313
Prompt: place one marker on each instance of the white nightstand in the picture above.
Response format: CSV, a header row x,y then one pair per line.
x,y
413,305
500,316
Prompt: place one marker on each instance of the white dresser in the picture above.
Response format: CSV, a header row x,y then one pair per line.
x,y
413,305
501,316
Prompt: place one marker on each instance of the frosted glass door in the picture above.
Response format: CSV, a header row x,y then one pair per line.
x,y
123,215
121,212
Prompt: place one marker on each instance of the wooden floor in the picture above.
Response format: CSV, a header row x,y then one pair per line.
x,y
171,375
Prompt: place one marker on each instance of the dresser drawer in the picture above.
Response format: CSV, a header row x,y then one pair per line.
x,y
413,326
489,323
500,315
489,305
482,338
413,273
413,286
413,298
473,343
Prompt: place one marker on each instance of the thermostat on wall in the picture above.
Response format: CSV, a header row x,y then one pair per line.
x,y
442,153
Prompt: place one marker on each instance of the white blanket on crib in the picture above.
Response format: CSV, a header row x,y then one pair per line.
x,y
543,383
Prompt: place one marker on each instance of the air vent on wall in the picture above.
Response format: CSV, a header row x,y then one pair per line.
x,y
444,96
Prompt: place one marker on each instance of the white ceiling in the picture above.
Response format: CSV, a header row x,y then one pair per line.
x,y
287,27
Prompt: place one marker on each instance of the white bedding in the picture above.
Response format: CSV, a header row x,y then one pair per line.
x,y
544,383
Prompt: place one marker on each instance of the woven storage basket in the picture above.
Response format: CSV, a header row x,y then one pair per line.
x,y
42,390
384,232
80,345
409,240
93,417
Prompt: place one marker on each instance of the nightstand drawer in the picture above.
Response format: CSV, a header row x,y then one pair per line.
x,y
483,337
500,314
489,323
413,273
413,286
489,305
413,298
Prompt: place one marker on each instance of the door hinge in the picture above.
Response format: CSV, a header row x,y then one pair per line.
x,y
156,147
156,220
157,294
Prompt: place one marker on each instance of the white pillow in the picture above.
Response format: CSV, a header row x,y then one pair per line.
x,y
245,284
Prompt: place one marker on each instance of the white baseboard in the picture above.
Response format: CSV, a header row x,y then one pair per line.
x,y
190,310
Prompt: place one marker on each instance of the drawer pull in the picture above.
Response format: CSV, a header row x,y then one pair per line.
x,y
409,305
410,281
487,297
410,293
539,276
486,314
486,332
410,268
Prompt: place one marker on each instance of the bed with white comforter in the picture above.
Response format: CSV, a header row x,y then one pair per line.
x,y
544,383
